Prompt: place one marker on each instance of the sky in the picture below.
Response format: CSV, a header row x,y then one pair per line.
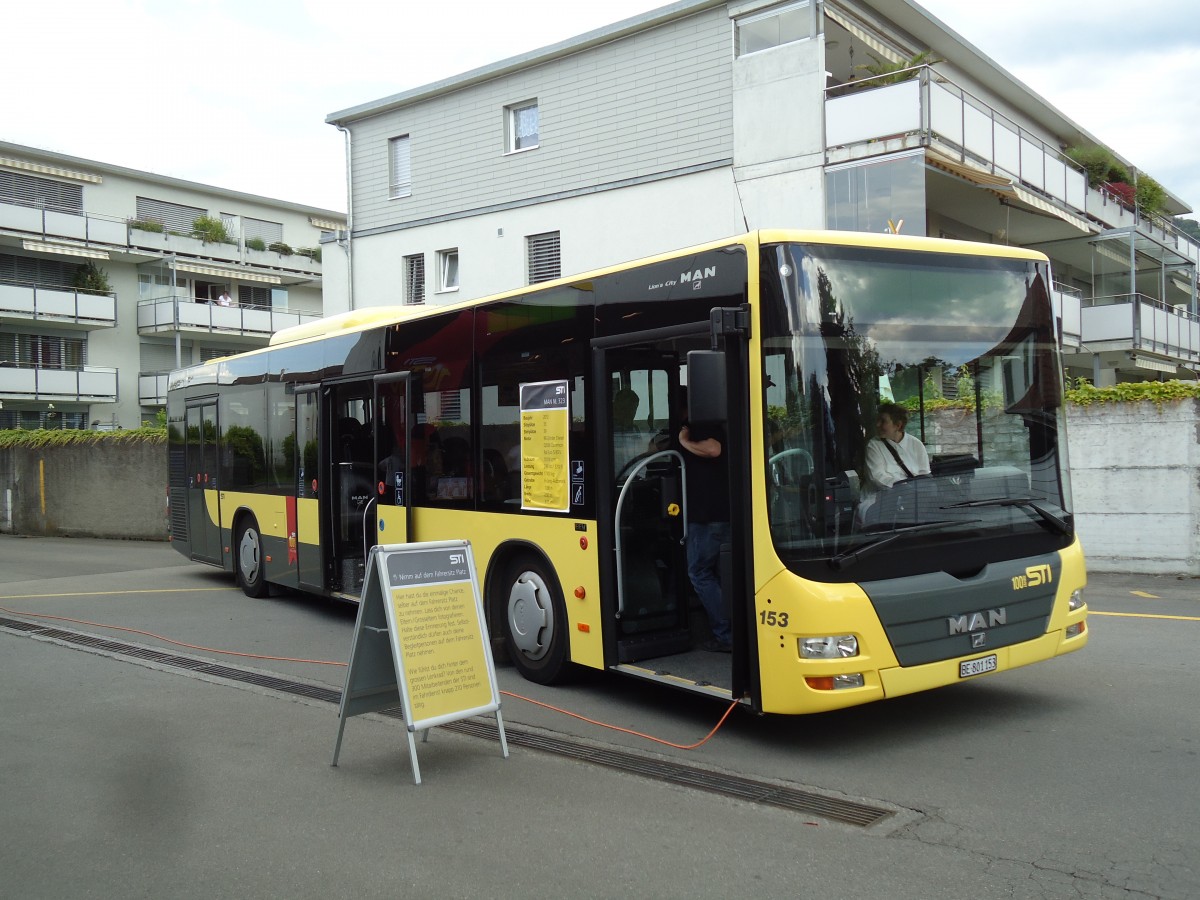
x,y
234,93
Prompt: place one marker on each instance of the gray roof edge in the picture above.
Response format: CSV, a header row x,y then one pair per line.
x,y
925,26
653,18
79,162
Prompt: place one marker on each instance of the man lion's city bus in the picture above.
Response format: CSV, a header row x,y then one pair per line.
x,y
493,421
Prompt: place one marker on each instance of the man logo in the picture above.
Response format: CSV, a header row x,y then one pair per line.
x,y
979,640
977,621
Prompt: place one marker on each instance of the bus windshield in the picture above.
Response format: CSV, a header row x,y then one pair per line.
x,y
964,347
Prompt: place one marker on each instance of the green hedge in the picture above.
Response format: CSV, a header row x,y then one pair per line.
x,y
63,437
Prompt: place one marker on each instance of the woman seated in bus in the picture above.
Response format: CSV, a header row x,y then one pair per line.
x,y
892,456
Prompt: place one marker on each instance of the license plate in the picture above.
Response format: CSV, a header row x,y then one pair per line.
x,y
977,666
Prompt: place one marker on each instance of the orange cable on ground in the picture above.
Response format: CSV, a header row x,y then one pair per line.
x,y
324,662
704,740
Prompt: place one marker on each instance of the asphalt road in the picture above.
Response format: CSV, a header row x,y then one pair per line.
x,y
1075,778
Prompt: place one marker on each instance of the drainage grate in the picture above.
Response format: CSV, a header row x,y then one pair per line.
x,y
726,784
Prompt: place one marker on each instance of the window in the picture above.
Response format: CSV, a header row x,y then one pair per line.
x,y
400,167
448,266
775,27
414,279
267,232
542,261
29,189
38,351
173,216
521,126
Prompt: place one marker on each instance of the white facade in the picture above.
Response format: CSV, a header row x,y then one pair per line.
x,y
95,354
706,118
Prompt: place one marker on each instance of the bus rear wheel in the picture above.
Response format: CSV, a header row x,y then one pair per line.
x,y
535,622
249,560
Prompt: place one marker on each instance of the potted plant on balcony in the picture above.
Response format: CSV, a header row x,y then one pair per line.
x,y
91,279
256,243
281,248
883,71
210,230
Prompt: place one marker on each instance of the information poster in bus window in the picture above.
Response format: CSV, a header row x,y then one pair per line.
x,y
545,426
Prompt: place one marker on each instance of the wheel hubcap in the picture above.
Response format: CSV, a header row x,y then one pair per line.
x,y
248,555
530,615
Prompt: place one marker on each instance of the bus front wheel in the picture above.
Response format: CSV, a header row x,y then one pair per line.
x,y
535,622
249,561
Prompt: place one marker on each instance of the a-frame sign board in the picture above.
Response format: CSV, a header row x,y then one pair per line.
x,y
420,642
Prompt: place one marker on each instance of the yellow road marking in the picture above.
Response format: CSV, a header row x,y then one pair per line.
x,y
1093,612
111,593
1144,594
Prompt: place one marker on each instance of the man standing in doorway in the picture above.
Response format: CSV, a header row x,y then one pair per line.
x,y
708,525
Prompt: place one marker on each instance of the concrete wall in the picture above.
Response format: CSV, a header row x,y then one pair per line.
x,y
1135,477
109,490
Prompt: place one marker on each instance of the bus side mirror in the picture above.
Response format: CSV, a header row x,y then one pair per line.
x,y
706,387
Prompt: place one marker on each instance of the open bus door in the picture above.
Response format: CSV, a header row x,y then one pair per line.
x,y
369,453
642,517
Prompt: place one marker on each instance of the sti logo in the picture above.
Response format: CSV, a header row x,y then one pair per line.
x,y
457,559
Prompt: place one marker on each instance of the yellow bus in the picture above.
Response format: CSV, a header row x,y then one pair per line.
x,y
543,425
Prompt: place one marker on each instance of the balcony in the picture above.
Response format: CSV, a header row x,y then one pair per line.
x,y
167,315
1135,322
971,140
51,224
1067,303
152,388
98,232
63,307
88,384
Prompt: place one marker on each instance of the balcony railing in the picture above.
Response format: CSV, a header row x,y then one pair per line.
x,y
152,388
930,110
91,384
170,314
57,304
1142,323
1068,304
50,224
47,223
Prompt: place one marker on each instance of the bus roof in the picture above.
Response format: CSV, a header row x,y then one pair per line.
x,y
366,317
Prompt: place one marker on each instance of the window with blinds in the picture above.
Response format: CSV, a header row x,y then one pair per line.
x,y
173,216
399,167
414,279
29,190
543,262
41,351
268,232
32,270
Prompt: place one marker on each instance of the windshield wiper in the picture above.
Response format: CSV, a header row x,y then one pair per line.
x,y
847,558
1056,522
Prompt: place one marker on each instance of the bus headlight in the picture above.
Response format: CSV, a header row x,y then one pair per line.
x,y
1076,601
833,647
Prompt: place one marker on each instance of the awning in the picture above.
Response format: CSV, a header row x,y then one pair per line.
x,y
1005,187
230,274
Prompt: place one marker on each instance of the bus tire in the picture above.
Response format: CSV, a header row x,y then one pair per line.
x,y
248,559
535,621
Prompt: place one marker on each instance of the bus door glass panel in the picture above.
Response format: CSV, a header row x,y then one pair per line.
x,y
352,447
640,391
204,521
307,489
394,428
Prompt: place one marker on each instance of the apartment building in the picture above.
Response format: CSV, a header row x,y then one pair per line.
x,y
111,277
705,118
